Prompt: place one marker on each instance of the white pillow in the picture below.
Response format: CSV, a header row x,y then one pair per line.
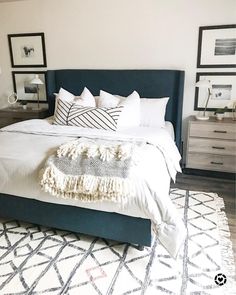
x,y
86,98
152,111
65,95
130,116
107,100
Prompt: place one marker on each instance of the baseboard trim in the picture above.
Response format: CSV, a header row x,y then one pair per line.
x,y
208,173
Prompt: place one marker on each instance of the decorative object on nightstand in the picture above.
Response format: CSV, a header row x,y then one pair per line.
x,y
234,111
12,98
211,145
23,103
207,85
220,113
37,82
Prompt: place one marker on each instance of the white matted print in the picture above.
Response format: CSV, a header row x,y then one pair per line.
x,y
217,46
27,91
223,91
27,50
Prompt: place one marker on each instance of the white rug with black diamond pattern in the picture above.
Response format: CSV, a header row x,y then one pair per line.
x,y
39,260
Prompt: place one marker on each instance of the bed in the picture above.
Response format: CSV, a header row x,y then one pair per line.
x,y
109,225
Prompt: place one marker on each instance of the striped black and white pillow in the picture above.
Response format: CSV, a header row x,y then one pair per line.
x,y
72,114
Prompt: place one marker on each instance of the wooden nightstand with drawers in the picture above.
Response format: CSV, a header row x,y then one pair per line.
x,y
211,145
12,115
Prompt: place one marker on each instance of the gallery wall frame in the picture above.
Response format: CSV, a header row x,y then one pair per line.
x,y
25,90
223,91
27,50
217,46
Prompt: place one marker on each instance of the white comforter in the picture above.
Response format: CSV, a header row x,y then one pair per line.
x,y
25,146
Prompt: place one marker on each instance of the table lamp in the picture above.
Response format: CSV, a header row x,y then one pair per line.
x,y
204,84
37,81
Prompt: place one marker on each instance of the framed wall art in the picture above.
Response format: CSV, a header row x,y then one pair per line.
x,y
223,91
28,91
217,47
27,50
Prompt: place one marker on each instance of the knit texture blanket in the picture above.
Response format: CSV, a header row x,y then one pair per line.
x,y
91,170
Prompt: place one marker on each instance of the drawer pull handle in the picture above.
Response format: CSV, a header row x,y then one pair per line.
x,y
218,147
217,163
220,131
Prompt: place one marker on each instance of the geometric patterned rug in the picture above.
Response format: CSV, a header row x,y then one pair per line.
x,y
39,260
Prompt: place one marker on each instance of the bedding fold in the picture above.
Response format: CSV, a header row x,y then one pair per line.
x,y
26,146
91,170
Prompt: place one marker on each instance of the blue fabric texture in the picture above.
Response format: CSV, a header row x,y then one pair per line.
x,y
148,83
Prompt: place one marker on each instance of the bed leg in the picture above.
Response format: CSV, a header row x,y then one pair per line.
x,y
140,247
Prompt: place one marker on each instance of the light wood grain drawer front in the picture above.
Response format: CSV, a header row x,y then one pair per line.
x,y
212,146
217,130
212,162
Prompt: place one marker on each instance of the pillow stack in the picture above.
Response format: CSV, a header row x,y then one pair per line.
x,y
81,111
109,112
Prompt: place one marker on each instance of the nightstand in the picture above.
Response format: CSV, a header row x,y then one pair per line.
x,y
12,115
211,145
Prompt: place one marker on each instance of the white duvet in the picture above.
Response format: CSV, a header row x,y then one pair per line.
x,y
25,146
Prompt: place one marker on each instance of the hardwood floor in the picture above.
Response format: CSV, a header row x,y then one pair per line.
x,y
223,187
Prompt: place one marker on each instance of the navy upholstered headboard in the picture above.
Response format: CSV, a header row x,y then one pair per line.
x,y
148,83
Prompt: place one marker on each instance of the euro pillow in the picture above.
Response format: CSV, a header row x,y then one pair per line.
x,y
65,95
85,99
130,116
152,111
72,114
107,100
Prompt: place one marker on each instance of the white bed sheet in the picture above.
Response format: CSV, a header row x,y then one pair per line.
x,y
25,146
25,149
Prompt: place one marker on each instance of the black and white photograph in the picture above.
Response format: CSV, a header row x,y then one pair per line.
x,y
225,46
29,88
222,91
217,46
27,50
25,87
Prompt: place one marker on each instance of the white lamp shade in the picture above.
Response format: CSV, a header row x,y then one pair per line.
x,y
36,80
203,84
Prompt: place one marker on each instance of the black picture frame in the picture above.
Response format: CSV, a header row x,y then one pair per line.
x,y
219,80
212,52
27,50
21,81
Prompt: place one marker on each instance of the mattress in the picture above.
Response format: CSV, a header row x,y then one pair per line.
x,y
33,155
25,147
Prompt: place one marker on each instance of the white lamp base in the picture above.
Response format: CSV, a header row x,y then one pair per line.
x,y
202,118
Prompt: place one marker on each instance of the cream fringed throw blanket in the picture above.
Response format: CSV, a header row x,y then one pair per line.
x,y
91,170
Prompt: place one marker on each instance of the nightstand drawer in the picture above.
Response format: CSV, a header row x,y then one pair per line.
x,y
211,162
216,130
212,146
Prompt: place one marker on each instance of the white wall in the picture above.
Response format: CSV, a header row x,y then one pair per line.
x,y
109,34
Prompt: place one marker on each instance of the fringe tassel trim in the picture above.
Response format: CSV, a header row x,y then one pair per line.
x,y
86,188
228,265
90,149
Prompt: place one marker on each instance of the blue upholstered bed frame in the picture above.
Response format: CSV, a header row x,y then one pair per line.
x,y
148,83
